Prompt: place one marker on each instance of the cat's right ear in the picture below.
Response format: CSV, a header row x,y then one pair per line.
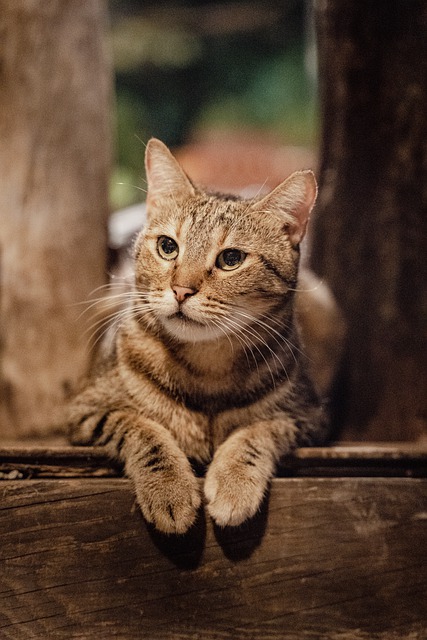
x,y
292,201
165,178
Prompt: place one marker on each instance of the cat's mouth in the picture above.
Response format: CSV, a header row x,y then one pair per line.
x,y
185,329
179,315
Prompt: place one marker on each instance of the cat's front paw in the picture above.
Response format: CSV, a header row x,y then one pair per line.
x,y
169,497
235,486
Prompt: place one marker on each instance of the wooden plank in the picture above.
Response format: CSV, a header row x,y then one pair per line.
x,y
55,462
327,559
64,461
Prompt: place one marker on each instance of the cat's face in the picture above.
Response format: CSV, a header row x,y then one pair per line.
x,y
210,266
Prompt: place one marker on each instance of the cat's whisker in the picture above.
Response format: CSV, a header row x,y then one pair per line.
x,y
110,292
124,311
285,325
106,302
110,285
282,341
253,334
104,309
113,322
134,186
320,283
220,328
224,319
92,299
111,327
253,321
250,202
246,346
144,144
224,316
278,337
93,343
104,322
107,289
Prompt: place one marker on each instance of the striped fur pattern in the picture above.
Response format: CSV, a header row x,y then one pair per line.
x,y
207,364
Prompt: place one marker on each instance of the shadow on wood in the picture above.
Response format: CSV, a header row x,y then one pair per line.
x,y
185,551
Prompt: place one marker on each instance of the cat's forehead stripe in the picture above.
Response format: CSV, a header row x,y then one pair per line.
x,y
214,211
211,227
183,227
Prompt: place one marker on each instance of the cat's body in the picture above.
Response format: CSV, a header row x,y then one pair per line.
x,y
207,363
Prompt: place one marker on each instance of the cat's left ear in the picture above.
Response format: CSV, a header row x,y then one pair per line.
x,y
165,177
293,201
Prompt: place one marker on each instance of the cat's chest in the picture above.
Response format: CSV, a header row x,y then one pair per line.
x,y
196,429
204,377
199,424
199,396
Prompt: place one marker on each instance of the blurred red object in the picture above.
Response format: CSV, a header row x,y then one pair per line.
x,y
242,163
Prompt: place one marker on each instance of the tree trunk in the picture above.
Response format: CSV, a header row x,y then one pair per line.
x,y
370,236
54,168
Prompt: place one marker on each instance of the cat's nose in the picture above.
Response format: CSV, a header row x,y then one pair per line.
x,y
182,293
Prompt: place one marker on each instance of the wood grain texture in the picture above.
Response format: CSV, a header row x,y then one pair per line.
x,y
327,558
44,461
369,238
55,157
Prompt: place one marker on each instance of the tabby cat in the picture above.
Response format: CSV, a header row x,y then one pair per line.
x,y
207,364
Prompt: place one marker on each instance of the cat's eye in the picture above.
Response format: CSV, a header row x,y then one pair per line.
x,y
230,259
167,248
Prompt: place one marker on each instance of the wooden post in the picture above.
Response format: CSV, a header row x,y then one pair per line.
x,y
370,232
54,167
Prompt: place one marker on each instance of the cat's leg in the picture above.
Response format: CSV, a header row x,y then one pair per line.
x,y
166,489
240,472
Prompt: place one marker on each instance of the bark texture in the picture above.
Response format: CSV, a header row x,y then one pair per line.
x,y
55,95
370,236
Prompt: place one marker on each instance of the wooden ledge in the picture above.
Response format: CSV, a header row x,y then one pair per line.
x,y
328,557
19,462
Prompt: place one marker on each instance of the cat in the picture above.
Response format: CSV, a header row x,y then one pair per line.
x,y
206,364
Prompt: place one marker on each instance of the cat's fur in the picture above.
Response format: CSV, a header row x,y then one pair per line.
x,y
207,363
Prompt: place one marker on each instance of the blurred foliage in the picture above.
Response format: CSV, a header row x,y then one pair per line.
x,y
184,67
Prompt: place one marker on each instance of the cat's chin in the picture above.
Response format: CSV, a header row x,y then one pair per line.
x,y
184,329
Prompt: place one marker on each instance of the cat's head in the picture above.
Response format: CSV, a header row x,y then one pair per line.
x,y
207,264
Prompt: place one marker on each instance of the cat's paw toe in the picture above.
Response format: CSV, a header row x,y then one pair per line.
x,y
232,498
178,515
172,506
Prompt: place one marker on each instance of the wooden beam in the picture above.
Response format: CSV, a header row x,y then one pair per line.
x,y
326,559
68,462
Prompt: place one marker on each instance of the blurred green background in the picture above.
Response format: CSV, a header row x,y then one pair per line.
x,y
183,69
